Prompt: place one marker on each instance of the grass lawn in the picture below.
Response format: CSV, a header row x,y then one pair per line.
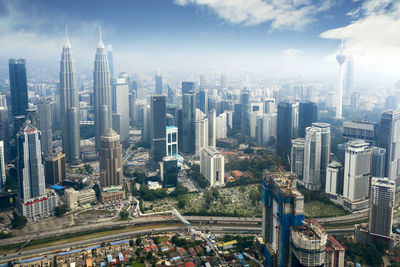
x,y
317,209
139,264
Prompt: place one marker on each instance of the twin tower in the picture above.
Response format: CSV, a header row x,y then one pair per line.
x,y
69,99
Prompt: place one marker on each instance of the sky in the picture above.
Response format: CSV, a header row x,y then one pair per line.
x,y
295,39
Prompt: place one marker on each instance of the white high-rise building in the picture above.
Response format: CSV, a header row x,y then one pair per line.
x,y
33,201
334,178
212,166
357,170
122,109
297,157
201,134
102,91
382,199
69,105
222,122
312,159
212,127
325,144
266,128
2,167
341,58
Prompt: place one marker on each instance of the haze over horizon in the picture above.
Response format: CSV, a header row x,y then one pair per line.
x,y
285,39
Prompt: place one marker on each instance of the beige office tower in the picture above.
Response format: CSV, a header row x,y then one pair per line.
x,y
110,152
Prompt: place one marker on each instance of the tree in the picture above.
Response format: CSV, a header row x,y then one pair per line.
x,y
18,221
255,196
88,169
61,210
124,214
248,150
96,189
138,241
181,201
131,243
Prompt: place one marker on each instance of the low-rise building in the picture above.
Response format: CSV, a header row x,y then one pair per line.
x,y
87,196
112,193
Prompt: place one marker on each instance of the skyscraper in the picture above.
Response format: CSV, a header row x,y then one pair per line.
x,y
287,126
341,58
378,161
308,113
325,146
389,139
2,167
212,127
312,159
69,105
297,157
110,153
32,198
334,179
188,123
212,166
357,170
122,109
245,111
169,171
159,85
158,128
282,208
102,91
188,87
44,109
18,87
201,135
202,99
55,171
381,206
4,126
110,59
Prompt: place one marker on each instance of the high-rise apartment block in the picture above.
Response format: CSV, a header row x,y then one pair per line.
x,y
382,199
357,170
188,123
283,207
2,167
297,157
33,202
212,166
364,130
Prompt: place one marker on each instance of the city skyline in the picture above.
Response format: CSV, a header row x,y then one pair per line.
x,y
300,39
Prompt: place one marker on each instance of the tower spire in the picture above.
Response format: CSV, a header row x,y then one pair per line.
x,y
66,37
100,44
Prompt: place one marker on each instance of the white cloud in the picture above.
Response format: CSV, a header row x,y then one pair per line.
x,y
373,38
292,53
282,14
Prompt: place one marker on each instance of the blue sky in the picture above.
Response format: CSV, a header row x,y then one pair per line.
x,y
295,37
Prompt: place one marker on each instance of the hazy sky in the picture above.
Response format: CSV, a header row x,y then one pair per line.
x,y
297,38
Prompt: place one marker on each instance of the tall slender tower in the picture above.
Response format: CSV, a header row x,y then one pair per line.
x,y
69,104
341,58
102,91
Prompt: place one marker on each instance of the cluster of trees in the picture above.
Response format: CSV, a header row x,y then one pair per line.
x,y
210,196
149,195
370,255
243,242
256,166
96,189
18,221
124,214
255,196
194,172
87,131
88,168
61,210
